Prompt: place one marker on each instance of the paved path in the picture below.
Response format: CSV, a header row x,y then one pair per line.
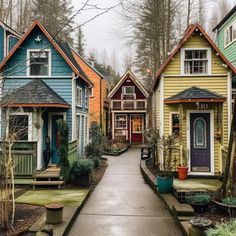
x,y
122,204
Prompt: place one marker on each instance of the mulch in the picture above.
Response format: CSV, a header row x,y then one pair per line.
x,y
27,215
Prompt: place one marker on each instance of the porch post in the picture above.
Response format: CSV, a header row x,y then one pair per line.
x,y
113,125
40,140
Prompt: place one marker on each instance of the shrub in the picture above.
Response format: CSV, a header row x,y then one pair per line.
x,y
93,150
96,162
198,199
82,167
223,229
229,201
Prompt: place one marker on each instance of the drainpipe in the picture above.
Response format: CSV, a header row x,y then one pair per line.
x,y
101,105
73,106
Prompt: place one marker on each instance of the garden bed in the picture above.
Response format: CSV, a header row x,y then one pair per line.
x,y
115,153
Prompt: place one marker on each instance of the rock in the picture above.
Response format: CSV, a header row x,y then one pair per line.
x,y
48,230
41,234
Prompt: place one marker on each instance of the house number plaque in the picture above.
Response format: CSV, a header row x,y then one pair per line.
x,y
202,106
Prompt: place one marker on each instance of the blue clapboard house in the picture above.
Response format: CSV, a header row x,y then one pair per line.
x,y
42,83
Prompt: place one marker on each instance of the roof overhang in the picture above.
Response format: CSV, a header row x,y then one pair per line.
x,y
45,105
195,100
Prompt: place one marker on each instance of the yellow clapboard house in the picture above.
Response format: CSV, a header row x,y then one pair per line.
x,y
192,93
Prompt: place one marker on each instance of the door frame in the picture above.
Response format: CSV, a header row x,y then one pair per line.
x,y
212,161
130,126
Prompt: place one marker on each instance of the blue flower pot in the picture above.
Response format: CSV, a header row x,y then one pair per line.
x,y
164,184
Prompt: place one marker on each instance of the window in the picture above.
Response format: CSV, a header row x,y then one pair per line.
x,y
121,122
128,90
230,34
86,98
141,105
128,105
199,133
19,126
175,124
78,127
79,96
116,105
91,92
137,123
39,63
86,129
195,61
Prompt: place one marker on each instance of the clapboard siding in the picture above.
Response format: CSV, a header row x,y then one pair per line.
x,y
230,50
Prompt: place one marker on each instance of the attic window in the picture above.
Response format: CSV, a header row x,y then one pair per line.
x,y
230,34
39,63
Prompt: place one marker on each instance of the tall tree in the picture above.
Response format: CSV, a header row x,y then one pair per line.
x,y
80,42
55,15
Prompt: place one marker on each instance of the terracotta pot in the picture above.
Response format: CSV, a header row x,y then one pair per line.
x,y
182,172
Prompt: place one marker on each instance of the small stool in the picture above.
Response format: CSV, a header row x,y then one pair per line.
x,y
54,213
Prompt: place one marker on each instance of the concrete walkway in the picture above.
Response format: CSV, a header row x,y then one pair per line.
x,y
122,204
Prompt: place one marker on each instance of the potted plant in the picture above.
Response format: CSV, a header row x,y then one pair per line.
x,y
183,167
227,205
81,172
165,177
198,226
199,202
223,228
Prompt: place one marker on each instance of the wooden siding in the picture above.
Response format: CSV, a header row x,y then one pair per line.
x,y
157,108
59,66
217,84
230,50
196,41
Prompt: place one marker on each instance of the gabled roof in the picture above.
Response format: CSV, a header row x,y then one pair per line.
x,y
189,31
79,58
133,78
62,50
229,14
34,94
195,94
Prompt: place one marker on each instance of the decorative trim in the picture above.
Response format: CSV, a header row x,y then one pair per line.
x,y
38,105
212,144
208,100
229,101
195,75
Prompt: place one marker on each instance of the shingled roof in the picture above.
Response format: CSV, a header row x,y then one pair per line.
x,y
34,94
195,94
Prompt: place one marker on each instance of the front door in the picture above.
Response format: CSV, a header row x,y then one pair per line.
x,y
200,142
136,128
55,139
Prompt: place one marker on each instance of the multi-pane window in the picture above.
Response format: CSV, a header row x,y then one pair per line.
x,y
121,121
79,96
19,127
86,98
195,61
128,90
175,124
39,63
116,105
230,34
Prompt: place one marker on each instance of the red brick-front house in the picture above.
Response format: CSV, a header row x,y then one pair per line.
x,y
128,109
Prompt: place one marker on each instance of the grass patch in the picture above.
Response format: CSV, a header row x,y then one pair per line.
x,y
43,197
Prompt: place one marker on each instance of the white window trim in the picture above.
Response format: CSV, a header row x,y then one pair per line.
x,y
30,123
28,63
209,72
79,103
124,90
226,45
125,118
86,98
92,92
171,121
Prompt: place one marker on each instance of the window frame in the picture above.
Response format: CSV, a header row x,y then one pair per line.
x,y
30,123
227,34
28,63
172,125
79,100
86,98
208,58
124,90
126,120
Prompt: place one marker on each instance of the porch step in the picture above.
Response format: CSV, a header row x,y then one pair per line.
x,y
47,176
48,183
179,208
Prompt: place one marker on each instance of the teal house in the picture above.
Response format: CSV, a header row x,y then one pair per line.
x,y
225,39
42,83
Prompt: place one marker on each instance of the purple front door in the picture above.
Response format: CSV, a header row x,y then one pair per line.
x,y
200,142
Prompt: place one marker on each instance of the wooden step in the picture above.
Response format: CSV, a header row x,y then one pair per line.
x,y
47,183
47,175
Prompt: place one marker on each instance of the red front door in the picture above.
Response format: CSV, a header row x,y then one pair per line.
x,y
137,123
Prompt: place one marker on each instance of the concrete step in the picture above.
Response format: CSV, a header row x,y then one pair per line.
x,y
47,183
179,208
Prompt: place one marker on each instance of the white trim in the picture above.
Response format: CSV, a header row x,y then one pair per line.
x,y
80,129
50,114
5,44
28,63
209,72
127,86
8,42
171,121
113,125
211,112
44,77
161,106
231,42
7,28
229,101
129,111
126,127
30,122
195,75
78,102
73,108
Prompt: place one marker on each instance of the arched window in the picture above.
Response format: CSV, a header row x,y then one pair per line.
x,y
199,127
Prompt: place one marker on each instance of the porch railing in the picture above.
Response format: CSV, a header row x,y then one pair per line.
x,y
24,155
72,152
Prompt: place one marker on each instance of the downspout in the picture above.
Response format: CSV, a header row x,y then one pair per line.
x,y
73,106
101,105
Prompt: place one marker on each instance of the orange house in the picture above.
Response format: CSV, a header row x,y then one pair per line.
x,y
98,102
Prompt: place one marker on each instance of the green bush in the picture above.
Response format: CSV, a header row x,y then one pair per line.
x,y
198,199
96,162
223,229
229,201
93,150
83,166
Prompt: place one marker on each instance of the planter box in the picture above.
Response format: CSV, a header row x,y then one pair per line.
x,y
164,184
83,180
